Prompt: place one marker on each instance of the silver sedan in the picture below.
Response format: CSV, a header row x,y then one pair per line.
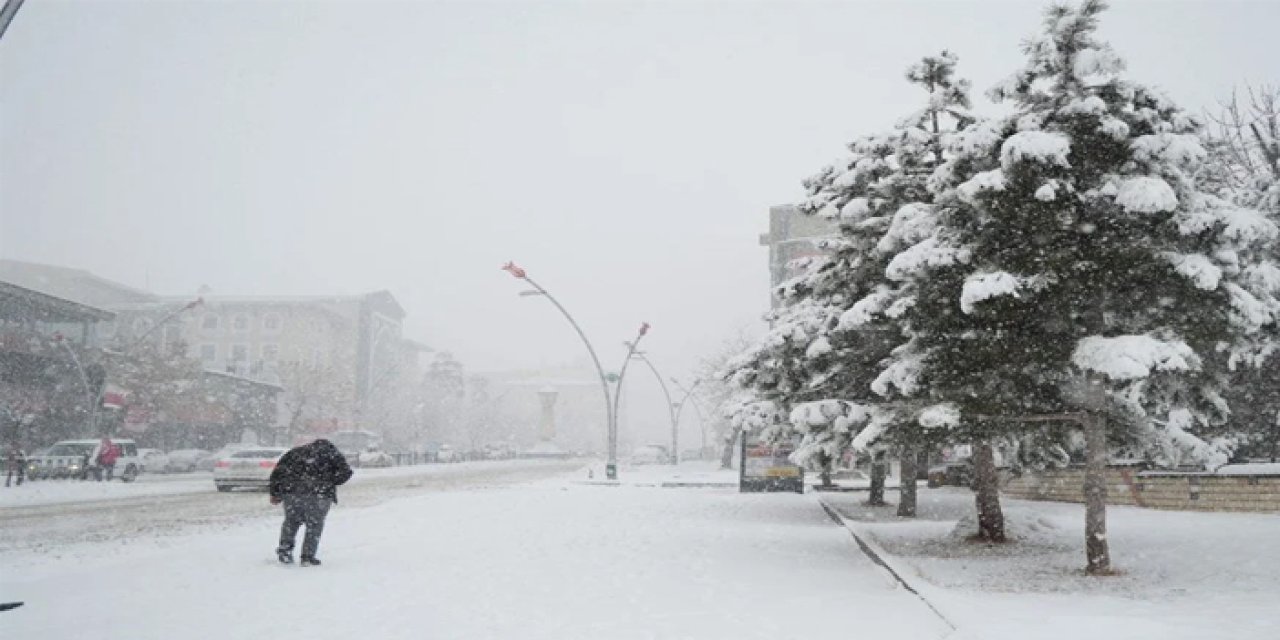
x,y
247,468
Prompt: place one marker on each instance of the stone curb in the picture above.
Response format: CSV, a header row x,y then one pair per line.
x,y
881,558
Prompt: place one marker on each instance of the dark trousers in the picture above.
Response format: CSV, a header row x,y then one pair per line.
x,y
21,471
299,510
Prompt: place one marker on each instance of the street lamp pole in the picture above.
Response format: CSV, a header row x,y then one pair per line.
x,y
622,375
171,315
688,393
671,411
84,378
611,465
7,12
97,400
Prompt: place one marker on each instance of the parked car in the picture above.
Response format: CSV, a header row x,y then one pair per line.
x,y
954,474
446,454
66,459
247,468
499,451
650,454
62,460
184,460
207,464
376,459
152,461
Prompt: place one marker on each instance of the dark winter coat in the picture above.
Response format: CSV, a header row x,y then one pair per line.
x,y
311,469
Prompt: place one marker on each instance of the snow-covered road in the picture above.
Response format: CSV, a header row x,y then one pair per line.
x,y
550,559
52,514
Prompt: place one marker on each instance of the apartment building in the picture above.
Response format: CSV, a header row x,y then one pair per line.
x,y
793,235
343,348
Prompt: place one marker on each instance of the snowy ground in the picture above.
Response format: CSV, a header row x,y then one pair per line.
x,y
544,559
1183,575
52,515
541,550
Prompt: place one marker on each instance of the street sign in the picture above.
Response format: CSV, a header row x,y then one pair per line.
x,y
767,466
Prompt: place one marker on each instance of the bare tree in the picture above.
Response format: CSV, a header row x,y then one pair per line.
x,y
717,393
313,393
1246,142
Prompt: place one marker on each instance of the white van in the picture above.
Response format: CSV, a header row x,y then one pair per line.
x,y
65,459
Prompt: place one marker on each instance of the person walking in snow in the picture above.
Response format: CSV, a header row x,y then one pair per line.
x,y
16,464
105,457
305,480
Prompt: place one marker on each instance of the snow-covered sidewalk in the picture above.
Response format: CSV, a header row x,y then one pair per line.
x,y
1183,575
689,474
554,560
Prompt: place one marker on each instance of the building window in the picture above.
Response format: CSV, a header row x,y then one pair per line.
x,y
270,352
271,322
208,352
209,322
240,323
239,352
140,326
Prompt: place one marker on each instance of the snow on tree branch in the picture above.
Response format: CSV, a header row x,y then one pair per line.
x,y
1132,357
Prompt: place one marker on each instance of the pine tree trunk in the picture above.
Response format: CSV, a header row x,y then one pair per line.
x,y
1275,438
986,486
1095,495
877,481
907,484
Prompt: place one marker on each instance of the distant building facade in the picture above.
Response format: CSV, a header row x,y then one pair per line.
x,y
792,235
338,352
330,357
43,341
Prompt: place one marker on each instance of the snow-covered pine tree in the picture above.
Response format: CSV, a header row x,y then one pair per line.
x,y
1097,280
923,261
1244,167
828,338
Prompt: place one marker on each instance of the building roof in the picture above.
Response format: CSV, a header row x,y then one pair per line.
x,y
235,378
381,301
20,303
76,285
384,303
415,345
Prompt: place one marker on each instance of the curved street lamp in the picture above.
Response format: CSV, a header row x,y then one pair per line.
x,y
617,396
610,404
671,407
702,423
97,398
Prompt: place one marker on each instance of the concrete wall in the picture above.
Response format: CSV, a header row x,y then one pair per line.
x,y
1154,489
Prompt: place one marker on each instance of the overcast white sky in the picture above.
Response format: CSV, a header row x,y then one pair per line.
x,y
625,153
